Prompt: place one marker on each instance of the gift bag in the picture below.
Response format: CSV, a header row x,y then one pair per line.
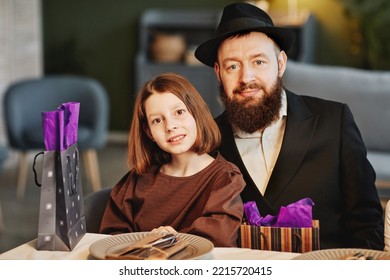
x,y
61,212
284,239
292,230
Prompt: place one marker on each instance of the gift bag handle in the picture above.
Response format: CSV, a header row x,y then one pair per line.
x,y
73,177
35,171
262,235
298,247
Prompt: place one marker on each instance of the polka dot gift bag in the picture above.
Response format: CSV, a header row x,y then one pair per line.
x,y
61,212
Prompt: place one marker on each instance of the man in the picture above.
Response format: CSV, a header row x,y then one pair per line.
x,y
287,146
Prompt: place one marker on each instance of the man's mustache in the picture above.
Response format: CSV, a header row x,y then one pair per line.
x,y
244,87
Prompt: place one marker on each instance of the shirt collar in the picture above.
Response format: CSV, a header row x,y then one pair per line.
x,y
258,134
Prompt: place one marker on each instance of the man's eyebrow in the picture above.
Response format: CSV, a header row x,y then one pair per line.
x,y
256,55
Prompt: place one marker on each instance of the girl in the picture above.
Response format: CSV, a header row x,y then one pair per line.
x,y
174,182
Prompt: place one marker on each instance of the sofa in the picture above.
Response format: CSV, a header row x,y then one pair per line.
x,y
3,156
366,92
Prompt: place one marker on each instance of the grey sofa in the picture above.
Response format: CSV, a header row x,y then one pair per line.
x,y
368,95
3,156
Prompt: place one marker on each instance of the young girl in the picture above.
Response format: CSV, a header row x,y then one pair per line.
x,y
174,182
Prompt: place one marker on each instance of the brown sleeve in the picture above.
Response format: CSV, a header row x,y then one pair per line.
x,y
223,211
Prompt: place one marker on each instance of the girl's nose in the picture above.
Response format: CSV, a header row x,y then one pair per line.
x,y
170,125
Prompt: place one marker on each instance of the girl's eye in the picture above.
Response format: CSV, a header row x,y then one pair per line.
x,y
156,121
180,111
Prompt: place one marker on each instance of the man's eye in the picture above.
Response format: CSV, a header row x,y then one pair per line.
x,y
232,67
258,62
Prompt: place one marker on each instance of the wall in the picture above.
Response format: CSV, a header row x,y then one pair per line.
x,y
98,38
337,34
20,45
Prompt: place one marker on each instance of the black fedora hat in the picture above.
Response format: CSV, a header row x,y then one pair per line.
x,y
241,17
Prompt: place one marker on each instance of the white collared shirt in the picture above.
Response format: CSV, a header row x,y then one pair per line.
x,y
260,150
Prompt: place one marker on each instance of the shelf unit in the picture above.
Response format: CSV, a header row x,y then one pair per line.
x,y
196,26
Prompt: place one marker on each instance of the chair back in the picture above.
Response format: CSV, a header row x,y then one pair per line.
x,y
94,206
3,156
25,100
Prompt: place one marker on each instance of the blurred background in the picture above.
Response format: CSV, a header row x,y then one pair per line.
x,y
123,43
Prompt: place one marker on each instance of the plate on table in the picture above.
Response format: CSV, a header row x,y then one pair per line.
x,y
343,254
197,246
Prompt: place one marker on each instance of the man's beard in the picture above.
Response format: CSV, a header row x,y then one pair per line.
x,y
252,114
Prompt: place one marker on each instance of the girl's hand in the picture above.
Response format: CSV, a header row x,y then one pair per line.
x,y
163,230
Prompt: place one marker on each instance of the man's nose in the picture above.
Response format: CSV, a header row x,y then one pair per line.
x,y
247,74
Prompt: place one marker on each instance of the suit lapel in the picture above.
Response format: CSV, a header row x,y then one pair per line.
x,y
300,128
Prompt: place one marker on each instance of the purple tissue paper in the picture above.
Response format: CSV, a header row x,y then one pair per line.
x,y
297,214
60,127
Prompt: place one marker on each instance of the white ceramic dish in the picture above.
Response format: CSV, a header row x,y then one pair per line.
x,y
341,254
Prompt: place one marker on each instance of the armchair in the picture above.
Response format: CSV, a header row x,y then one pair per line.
x,y
94,207
26,99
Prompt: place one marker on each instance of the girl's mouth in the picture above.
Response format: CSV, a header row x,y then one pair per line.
x,y
176,138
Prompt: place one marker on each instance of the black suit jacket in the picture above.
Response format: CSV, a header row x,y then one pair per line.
x,y
322,157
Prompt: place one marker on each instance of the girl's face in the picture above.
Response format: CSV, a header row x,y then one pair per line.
x,y
170,124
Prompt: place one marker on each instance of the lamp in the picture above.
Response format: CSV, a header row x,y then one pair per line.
x,y
292,6
262,4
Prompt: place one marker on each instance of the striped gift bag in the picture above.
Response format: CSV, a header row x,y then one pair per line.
x,y
284,239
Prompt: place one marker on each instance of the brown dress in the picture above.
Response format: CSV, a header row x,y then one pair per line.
x,y
206,204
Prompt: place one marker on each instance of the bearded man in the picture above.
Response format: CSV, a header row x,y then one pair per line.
x,y
288,146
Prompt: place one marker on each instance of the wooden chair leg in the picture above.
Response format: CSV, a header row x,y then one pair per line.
x,y
22,176
1,220
86,163
92,169
382,183
387,227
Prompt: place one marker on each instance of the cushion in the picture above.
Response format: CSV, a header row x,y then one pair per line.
x,y
366,92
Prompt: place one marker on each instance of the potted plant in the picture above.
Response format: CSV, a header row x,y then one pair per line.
x,y
374,21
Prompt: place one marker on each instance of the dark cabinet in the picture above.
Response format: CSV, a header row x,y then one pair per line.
x,y
194,27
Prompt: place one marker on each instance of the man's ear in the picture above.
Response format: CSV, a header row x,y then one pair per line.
x,y
216,70
282,63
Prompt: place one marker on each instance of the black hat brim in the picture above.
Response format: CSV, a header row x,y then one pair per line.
x,y
207,51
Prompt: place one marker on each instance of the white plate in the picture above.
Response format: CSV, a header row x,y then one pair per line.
x,y
340,254
198,246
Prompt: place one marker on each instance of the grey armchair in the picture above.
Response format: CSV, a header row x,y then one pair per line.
x,y
25,100
94,206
